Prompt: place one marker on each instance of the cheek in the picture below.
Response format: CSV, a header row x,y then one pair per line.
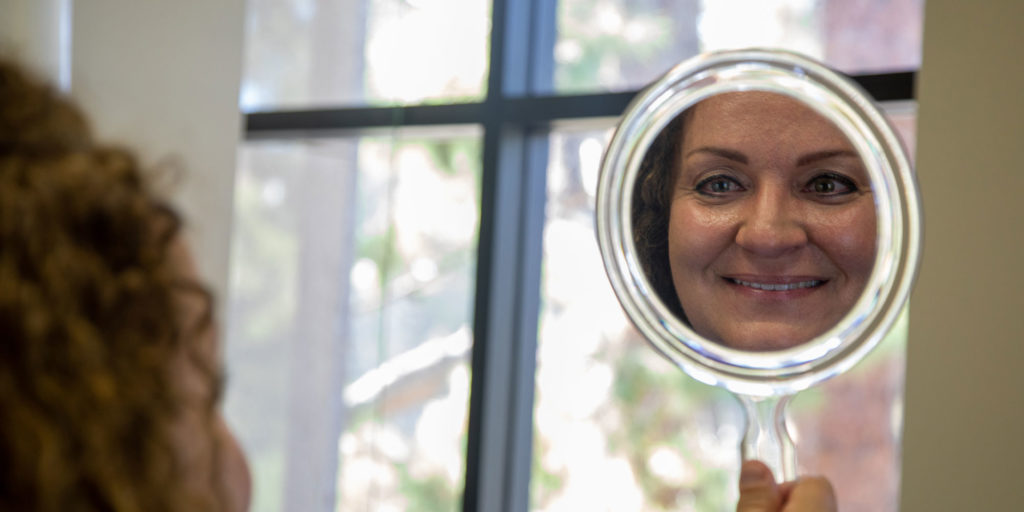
x,y
849,240
236,479
696,236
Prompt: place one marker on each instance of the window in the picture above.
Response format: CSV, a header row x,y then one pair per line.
x,y
419,319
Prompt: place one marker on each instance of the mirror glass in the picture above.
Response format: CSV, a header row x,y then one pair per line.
x,y
754,221
758,220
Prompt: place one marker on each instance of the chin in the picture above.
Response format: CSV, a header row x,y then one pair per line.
x,y
764,339
762,345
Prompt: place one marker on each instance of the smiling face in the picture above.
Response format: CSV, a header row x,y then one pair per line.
x,y
771,233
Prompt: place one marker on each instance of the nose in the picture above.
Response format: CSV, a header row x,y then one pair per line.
x,y
772,224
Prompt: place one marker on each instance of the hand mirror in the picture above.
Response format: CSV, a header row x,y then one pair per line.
x,y
760,225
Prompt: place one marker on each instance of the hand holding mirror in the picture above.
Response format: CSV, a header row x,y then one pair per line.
x,y
759,222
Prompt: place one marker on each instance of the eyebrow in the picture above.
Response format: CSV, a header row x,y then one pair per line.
x,y
722,152
825,155
803,160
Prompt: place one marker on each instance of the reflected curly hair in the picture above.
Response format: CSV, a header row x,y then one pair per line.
x,y
652,201
91,317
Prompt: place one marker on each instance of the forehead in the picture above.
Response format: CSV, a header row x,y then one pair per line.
x,y
755,118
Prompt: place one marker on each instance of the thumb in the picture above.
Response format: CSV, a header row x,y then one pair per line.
x,y
758,491
812,493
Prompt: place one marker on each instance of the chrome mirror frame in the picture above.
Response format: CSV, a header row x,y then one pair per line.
x,y
897,206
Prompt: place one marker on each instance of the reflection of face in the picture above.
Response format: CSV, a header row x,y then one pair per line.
x,y
771,234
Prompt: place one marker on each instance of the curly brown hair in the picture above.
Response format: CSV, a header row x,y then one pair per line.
x,y
652,200
92,319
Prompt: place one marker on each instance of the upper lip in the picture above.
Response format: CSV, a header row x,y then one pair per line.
x,y
774,279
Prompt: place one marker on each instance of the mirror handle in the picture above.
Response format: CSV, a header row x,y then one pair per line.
x,y
765,437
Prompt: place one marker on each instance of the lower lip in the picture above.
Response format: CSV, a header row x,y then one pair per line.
x,y
788,294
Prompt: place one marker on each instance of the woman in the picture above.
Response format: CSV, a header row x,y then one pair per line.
x,y
108,360
755,220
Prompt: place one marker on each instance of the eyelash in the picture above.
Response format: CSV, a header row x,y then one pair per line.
x,y
703,186
851,187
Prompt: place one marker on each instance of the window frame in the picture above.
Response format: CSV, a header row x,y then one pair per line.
x,y
515,124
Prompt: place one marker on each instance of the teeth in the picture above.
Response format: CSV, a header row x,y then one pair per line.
x,y
778,287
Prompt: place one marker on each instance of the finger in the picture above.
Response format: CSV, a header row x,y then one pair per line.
x,y
785,488
811,493
758,491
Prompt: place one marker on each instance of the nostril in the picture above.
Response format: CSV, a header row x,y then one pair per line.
x,y
771,222
771,237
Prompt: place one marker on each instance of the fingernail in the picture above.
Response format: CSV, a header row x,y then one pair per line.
x,y
753,473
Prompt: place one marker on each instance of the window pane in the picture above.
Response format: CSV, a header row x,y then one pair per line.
x,y
615,45
350,305
316,53
612,414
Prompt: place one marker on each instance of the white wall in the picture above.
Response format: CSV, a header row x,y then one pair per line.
x,y
162,77
964,430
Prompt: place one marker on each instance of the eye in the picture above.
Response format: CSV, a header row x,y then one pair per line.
x,y
830,184
718,186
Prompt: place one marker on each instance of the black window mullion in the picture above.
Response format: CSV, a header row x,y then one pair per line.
x,y
517,109
499,445
505,328
543,33
532,215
